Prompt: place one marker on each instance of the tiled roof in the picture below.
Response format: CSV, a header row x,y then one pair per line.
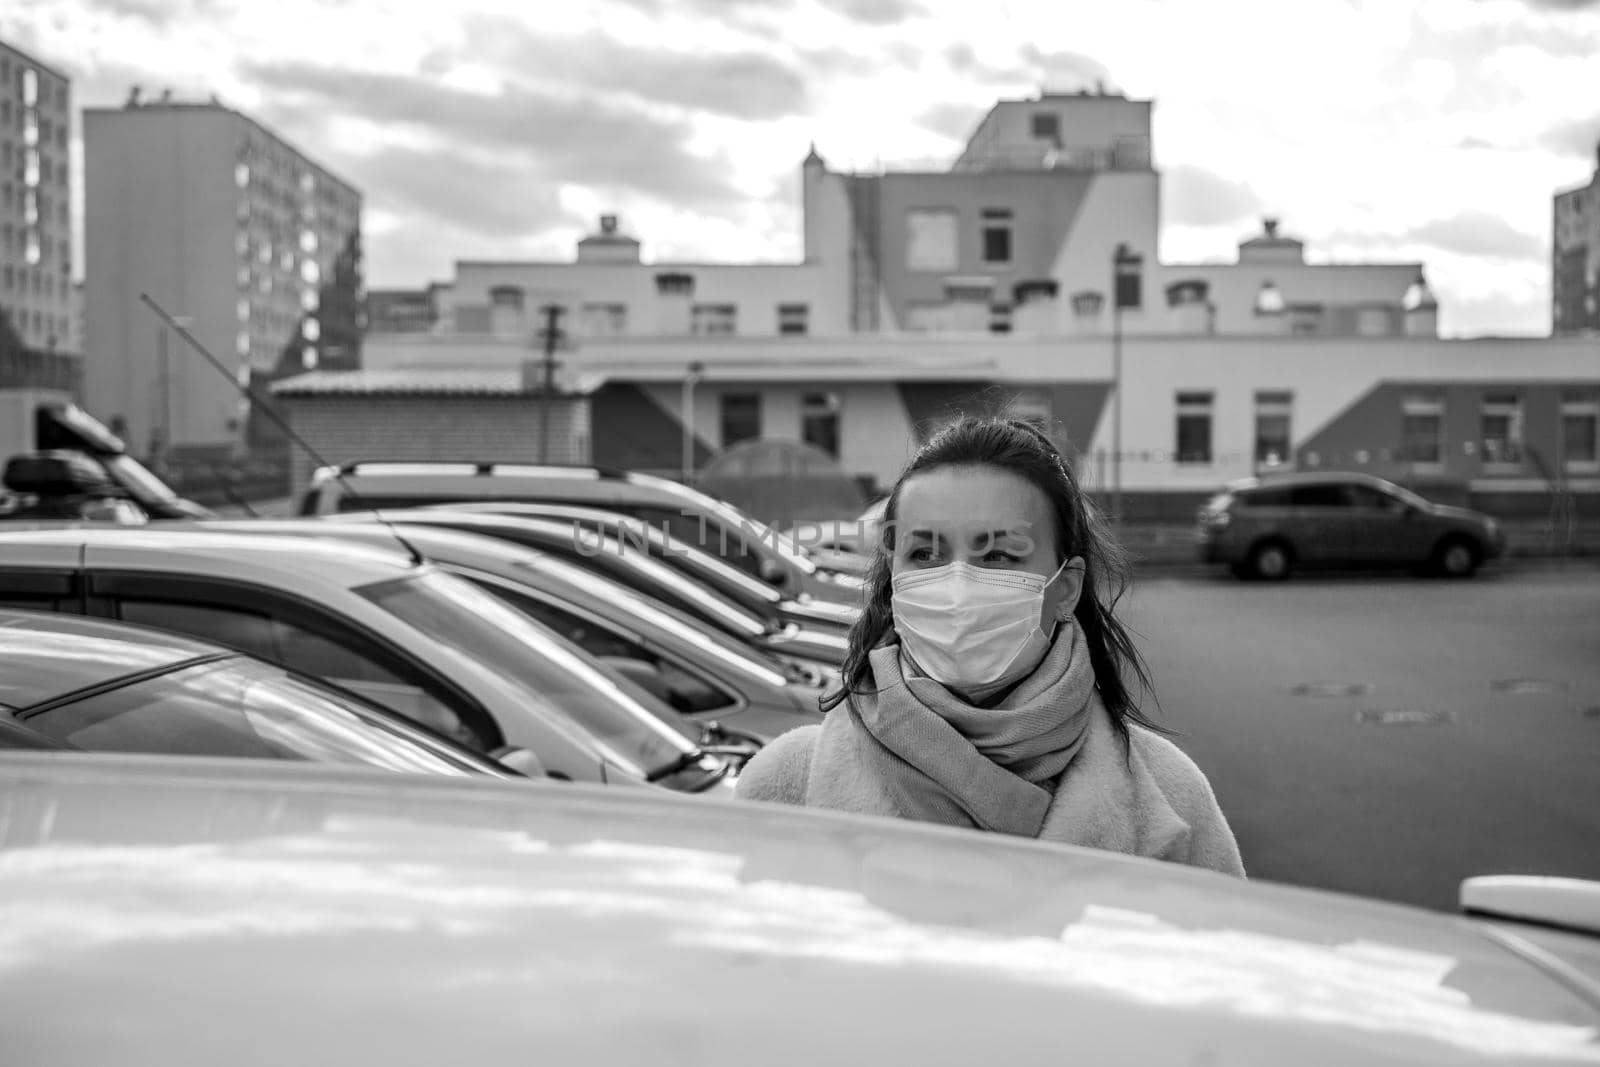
x,y
430,382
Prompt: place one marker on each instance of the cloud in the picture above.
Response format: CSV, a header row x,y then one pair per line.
x,y
1563,5
554,140
875,12
1577,137
1058,71
1479,233
1473,234
746,85
490,197
1198,197
956,121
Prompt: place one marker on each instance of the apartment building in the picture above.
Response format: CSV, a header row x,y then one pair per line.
x,y
254,246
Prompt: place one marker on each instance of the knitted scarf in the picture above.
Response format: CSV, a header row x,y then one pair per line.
x,y
916,750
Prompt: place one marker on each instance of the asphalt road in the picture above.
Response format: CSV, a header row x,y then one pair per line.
x,y
1449,728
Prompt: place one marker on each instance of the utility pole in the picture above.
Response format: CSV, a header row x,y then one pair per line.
x,y
551,333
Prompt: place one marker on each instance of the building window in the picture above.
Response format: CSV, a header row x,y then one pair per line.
x,y
996,236
1046,126
1501,430
30,87
1422,430
1272,429
999,318
792,319
714,320
1194,428
819,421
741,417
604,320
1580,433
931,242
509,297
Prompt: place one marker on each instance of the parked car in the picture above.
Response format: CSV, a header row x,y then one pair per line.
x,y
694,563
1266,528
62,486
405,634
686,513
822,647
291,913
733,690
60,428
77,683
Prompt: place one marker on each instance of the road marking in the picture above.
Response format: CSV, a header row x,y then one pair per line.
x,y
1404,717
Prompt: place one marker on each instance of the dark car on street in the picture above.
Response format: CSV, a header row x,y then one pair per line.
x,y
1267,528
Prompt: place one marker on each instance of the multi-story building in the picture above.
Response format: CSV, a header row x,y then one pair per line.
x,y
1575,259
1025,276
36,291
251,244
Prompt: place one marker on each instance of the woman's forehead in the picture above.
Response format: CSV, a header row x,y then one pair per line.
x,y
989,496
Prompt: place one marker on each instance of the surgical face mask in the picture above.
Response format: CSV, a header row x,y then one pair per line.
x,y
971,627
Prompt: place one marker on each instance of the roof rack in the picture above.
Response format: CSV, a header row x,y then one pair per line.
x,y
483,467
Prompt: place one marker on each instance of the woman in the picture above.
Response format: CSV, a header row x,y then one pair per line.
x,y
984,681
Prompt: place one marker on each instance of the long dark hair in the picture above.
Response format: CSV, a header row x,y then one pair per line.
x,y
1023,449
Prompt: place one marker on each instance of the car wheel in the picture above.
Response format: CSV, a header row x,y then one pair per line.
x,y
1271,561
1456,557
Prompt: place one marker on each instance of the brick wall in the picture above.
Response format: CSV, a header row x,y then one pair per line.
x,y
505,428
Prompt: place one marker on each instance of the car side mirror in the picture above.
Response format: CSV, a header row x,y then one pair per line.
x,y
521,760
772,572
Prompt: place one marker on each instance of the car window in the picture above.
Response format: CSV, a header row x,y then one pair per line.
x,y
552,674
1364,496
1265,498
236,707
685,690
1319,496
293,646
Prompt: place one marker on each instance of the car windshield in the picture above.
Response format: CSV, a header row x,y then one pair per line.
x,y
551,672
243,707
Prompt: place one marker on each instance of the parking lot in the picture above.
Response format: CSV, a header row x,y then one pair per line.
x,y
1388,735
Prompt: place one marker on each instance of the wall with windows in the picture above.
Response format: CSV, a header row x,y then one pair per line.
x,y
1575,260
252,245
632,299
36,290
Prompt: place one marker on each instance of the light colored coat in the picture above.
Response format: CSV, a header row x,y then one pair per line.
x,y
1155,803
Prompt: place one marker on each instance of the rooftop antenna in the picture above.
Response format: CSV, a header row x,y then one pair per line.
x,y
282,423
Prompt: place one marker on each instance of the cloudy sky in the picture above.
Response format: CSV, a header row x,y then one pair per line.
x,y
1432,130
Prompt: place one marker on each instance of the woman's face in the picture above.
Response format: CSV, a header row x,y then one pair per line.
x,y
987,517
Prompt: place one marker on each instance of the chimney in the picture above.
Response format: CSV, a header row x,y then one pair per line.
x,y
610,245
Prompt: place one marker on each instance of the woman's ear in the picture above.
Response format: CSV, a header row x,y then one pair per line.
x,y
1069,586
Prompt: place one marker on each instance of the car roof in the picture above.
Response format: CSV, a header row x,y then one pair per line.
x,y
497,918
285,561
1273,481
47,655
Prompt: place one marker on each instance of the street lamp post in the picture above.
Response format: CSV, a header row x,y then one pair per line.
x,y
696,369
1125,277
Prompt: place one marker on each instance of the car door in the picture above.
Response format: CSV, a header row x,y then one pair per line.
x,y
1322,523
1382,529
309,638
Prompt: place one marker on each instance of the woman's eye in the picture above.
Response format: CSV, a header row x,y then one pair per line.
x,y
1001,558
922,555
